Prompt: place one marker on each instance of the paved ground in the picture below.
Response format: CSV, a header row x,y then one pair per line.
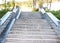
x,y
25,9
30,28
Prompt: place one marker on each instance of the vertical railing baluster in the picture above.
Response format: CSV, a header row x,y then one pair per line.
x,y
58,29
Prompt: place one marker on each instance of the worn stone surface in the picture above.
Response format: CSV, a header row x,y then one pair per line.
x,y
30,28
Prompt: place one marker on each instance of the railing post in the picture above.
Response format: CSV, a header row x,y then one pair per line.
x,y
59,25
0,21
59,29
42,12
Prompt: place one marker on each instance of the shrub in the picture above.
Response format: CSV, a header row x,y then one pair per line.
x,y
3,11
56,13
35,9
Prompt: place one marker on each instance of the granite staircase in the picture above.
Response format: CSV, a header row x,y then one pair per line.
x,y
31,28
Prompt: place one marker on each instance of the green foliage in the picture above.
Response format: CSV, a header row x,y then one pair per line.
x,y
35,9
2,12
56,13
8,5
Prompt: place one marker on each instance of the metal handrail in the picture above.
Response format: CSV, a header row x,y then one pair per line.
x,y
11,17
53,18
50,15
53,21
5,17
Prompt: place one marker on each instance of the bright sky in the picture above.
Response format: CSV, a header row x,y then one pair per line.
x,y
54,6
21,0
1,2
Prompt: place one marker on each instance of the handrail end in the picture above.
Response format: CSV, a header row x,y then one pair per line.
x,y
0,21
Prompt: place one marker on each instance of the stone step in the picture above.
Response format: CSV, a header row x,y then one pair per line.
x,y
32,36
30,15
32,21
33,40
32,33
32,29
33,26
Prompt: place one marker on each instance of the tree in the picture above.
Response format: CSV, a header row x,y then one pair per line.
x,y
47,3
50,3
4,3
34,3
8,5
13,3
40,2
